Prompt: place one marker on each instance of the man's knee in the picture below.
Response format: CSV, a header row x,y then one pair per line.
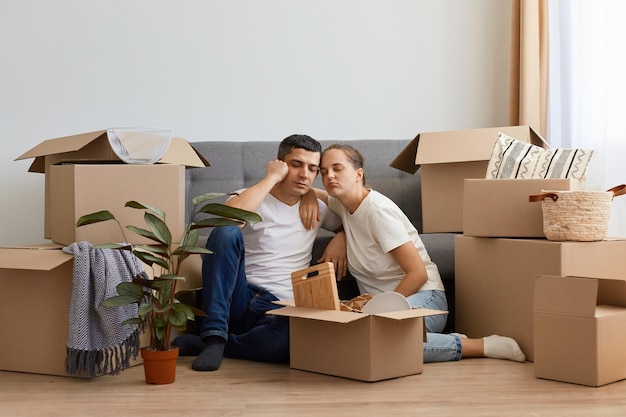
x,y
224,235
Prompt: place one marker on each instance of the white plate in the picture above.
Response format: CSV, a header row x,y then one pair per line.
x,y
386,302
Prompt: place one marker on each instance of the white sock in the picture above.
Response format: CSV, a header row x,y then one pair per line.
x,y
500,347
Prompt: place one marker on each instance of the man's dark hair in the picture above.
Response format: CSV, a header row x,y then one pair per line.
x,y
298,141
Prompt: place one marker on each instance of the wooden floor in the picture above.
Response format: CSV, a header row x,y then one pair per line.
x,y
472,387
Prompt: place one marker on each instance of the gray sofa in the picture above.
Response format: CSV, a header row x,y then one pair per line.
x,y
236,165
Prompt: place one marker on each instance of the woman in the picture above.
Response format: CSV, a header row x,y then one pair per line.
x,y
385,253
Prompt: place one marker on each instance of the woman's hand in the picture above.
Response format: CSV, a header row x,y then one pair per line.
x,y
309,210
336,253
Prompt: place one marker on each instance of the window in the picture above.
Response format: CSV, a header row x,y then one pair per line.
x,y
587,90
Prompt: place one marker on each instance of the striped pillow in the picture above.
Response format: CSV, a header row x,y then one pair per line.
x,y
512,158
563,163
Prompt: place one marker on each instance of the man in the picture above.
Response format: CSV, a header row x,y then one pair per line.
x,y
251,267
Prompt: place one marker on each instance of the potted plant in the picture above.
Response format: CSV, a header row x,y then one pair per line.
x,y
158,309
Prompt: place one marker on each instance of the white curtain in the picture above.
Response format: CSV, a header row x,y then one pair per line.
x,y
587,90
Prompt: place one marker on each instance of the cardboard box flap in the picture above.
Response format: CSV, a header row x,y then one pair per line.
x,y
565,295
61,145
459,146
577,296
607,310
409,314
348,316
84,146
468,145
318,314
182,152
405,161
47,259
612,292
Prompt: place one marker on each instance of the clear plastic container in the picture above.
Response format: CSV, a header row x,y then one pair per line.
x,y
139,145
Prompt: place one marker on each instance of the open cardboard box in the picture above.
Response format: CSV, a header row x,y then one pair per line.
x,y
500,207
93,147
366,347
579,329
445,160
37,282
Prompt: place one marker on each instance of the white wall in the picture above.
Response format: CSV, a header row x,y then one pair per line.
x,y
240,70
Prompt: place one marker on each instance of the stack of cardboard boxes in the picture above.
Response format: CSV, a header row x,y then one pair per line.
x,y
82,175
509,279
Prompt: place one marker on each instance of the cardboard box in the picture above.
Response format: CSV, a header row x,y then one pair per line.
x,y
36,282
355,345
79,189
495,278
445,160
500,207
579,329
93,147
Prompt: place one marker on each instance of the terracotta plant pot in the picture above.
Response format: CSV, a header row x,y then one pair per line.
x,y
159,365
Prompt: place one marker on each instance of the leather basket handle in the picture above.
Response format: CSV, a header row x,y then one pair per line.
x,y
618,190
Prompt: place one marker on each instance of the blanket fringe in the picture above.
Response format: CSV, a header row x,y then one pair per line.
x,y
112,361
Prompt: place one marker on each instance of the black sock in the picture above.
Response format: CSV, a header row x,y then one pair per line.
x,y
211,356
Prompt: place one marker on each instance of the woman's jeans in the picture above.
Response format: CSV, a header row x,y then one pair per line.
x,y
235,310
439,347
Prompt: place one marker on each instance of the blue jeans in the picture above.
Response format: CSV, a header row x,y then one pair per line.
x,y
439,347
235,310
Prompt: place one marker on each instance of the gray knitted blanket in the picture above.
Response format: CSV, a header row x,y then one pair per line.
x,y
97,342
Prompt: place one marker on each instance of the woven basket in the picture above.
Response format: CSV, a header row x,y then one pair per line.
x,y
581,216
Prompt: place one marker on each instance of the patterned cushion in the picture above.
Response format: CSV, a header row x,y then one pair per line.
x,y
512,158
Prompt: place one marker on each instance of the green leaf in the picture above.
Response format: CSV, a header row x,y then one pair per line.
x,y
190,312
113,246
158,228
159,326
163,309
134,320
151,259
144,309
204,197
144,233
178,319
190,238
97,217
119,300
223,210
143,282
170,278
157,249
159,285
137,205
130,289
215,222
189,250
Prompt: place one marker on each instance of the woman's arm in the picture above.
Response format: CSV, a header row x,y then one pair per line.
x,y
411,262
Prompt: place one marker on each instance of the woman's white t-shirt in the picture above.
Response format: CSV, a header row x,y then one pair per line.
x,y
372,231
280,245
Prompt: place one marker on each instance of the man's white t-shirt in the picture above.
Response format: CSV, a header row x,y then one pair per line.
x,y
372,231
280,245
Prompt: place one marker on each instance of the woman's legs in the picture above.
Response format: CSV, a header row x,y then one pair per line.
x,y
446,347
